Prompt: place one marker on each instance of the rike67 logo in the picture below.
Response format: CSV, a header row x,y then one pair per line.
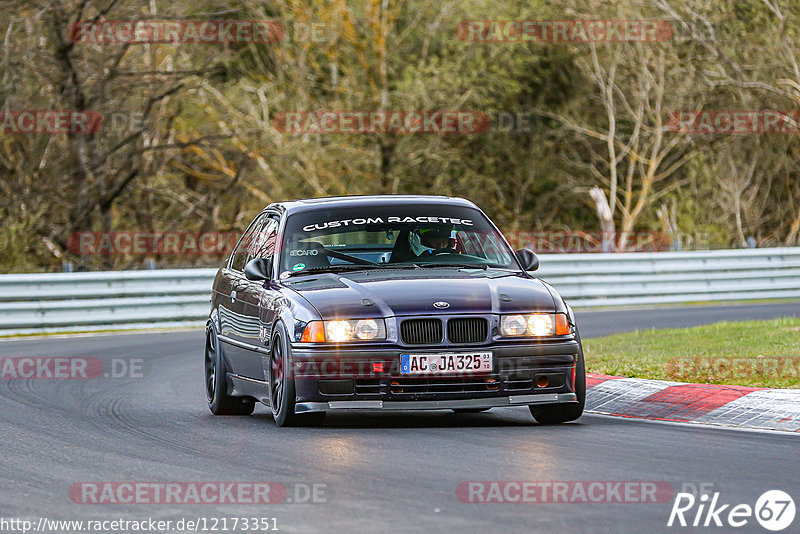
x,y
774,510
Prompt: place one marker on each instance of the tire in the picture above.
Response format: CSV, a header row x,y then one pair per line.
x,y
282,395
470,410
219,402
551,414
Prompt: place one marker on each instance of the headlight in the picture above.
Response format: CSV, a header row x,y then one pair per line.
x,y
513,325
338,331
342,331
367,329
534,324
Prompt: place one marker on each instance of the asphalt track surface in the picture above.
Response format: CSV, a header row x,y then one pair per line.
x,y
381,473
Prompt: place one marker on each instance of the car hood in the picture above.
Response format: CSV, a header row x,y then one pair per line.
x,y
386,294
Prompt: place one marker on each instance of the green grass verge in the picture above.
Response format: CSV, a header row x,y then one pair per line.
x,y
694,303
747,353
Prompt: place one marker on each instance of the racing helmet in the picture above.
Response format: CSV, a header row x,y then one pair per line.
x,y
429,239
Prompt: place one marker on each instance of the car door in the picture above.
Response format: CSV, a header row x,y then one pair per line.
x,y
253,294
236,330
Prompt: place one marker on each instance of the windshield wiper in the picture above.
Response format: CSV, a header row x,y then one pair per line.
x,y
455,265
330,269
349,267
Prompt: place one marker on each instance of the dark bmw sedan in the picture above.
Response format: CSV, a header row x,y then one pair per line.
x,y
387,303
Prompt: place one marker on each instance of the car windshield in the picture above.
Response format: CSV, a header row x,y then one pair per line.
x,y
410,235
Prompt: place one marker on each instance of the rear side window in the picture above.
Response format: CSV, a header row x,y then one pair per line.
x,y
239,257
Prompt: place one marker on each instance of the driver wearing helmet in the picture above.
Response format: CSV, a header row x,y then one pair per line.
x,y
428,241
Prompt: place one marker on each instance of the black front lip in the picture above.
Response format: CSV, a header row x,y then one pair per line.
x,y
455,404
510,361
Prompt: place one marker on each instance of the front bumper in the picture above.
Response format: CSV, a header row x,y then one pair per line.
x,y
389,406
344,379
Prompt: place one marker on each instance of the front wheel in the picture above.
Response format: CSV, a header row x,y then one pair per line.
x,y
550,414
282,396
219,402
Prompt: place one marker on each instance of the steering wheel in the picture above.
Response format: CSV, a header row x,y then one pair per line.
x,y
441,251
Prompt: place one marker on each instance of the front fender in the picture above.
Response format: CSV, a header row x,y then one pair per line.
x,y
213,320
558,302
295,312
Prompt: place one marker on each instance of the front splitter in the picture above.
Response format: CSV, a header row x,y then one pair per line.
x,y
398,406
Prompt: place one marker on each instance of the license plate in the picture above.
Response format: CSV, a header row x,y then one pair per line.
x,y
445,363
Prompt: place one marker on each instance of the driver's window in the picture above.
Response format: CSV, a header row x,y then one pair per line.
x,y
263,245
239,257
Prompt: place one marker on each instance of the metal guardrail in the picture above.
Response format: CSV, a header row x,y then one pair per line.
x,y
64,302
629,279
61,302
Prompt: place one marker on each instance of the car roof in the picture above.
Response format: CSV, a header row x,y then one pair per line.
x,y
311,204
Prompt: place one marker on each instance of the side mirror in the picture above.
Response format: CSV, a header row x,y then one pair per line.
x,y
528,259
258,269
